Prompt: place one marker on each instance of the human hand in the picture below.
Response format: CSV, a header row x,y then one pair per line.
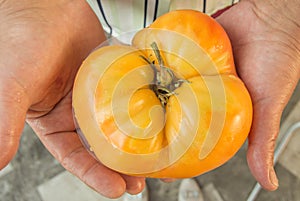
x,y
42,45
266,46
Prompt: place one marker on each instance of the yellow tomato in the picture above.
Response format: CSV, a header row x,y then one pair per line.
x,y
169,105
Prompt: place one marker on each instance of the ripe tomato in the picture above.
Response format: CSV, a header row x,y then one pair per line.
x,y
170,105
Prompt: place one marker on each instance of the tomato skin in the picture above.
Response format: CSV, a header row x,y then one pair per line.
x,y
202,124
235,129
203,30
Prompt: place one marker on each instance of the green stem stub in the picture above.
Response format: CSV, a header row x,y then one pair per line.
x,y
165,82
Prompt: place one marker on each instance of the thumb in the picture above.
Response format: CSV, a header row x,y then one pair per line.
x,y
13,108
262,139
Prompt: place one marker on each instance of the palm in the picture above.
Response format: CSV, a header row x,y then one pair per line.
x,y
266,62
45,44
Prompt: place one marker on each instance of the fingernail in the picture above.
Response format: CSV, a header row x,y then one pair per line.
x,y
273,177
135,188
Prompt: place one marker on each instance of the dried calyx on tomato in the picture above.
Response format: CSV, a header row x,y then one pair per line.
x,y
165,81
169,105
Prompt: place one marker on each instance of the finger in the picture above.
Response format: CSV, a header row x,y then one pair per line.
x,y
13,107
262,138
57,132
134,185
69,151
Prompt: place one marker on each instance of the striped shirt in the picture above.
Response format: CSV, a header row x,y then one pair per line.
x,y
122,16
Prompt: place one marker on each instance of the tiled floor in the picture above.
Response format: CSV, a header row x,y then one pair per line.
x,y
34,175
73,189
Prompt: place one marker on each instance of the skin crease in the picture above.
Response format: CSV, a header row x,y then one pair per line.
x,y
44,42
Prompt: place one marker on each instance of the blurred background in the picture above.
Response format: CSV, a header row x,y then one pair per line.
x,y
34,175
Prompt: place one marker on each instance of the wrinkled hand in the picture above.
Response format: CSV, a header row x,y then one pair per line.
x,y
42,45
266,46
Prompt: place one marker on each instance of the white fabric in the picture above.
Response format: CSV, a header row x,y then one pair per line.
x,y
128,15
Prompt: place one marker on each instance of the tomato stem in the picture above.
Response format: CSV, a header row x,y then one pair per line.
x,y
165,82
